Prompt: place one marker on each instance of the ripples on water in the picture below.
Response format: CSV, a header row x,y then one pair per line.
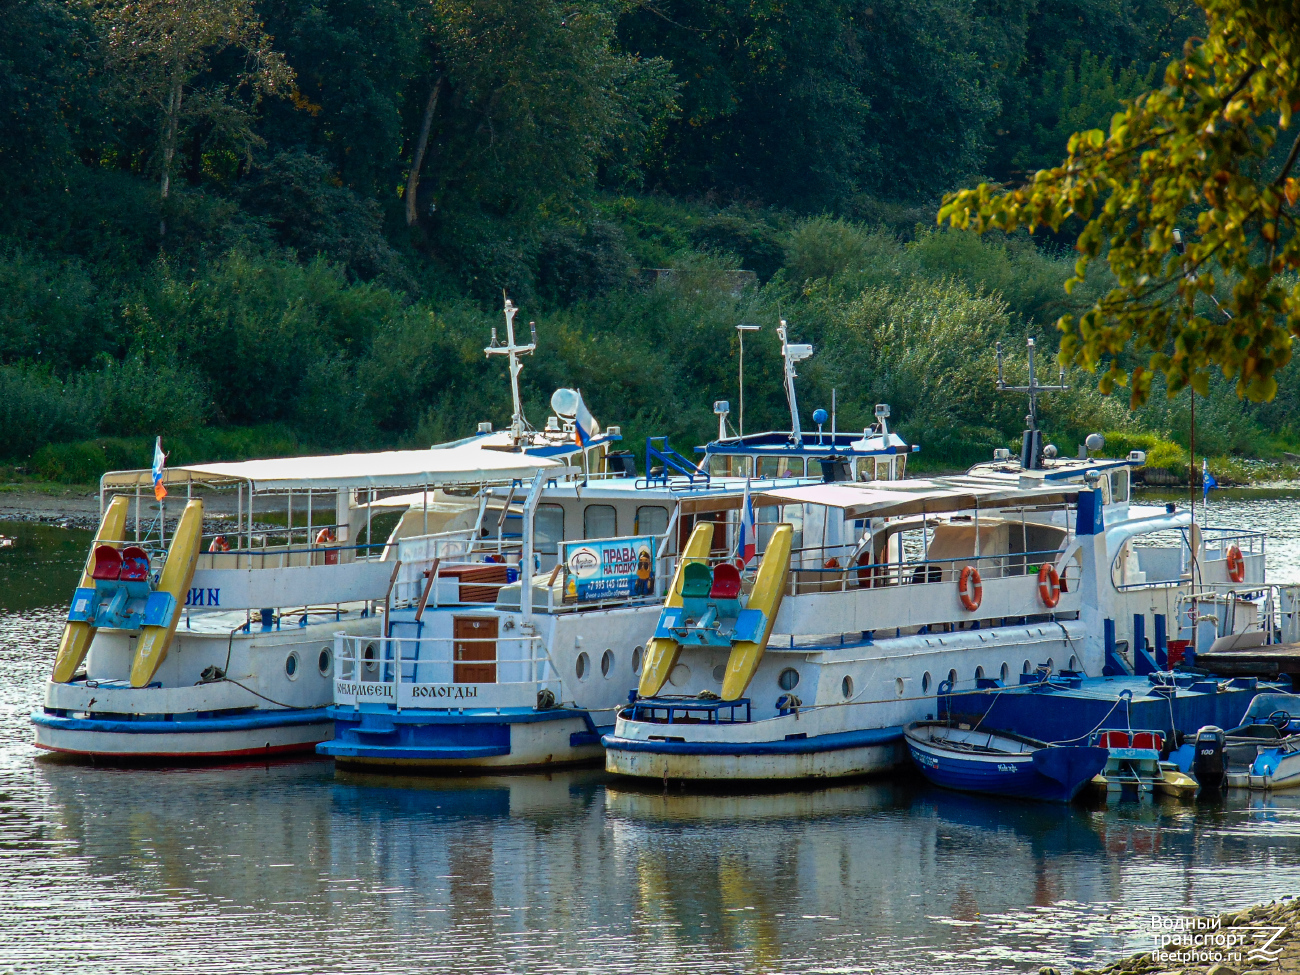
x,y
289,868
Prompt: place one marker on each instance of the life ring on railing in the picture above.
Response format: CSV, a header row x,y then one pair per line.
x,y
219,544
324,537
1236,564
970,589
831,563
1049,585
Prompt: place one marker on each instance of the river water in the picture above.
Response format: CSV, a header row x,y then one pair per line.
x,y
290,867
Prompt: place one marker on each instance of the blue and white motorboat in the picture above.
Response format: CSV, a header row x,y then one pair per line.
x,y
1000,763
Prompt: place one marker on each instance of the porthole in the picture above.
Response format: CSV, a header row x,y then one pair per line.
x,y
1051,666
637,656
582,666
679,675
952,678
979,673
291,665
606,663
788,679
1025,668
899,686
1006,673
371,656
1074,663
719,672
925,683
324,660
846,687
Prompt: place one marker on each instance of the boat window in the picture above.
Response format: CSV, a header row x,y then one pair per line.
x,y
846,687
727,465
636,660
1025,668
1006,672
979,673
599,521
606,663
548,532
780,467
719,672
925,682
581,667
651,519
1119,485
324,660
291,665
788,679
899,686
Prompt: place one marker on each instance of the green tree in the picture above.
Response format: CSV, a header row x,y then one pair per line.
x,y
1198,152
161,53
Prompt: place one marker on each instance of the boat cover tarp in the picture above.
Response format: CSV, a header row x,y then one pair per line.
x,y
478,461
893,498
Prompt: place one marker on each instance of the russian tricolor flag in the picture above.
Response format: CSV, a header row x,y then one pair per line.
x,y
747,544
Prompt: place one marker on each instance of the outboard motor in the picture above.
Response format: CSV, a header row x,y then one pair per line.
x,y
1208,765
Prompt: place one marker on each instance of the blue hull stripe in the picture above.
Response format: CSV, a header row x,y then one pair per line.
x,y
792,746
342,750
345,713
182,726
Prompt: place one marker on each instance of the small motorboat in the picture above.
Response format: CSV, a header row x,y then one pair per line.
x,y
1262,753
6,542
1000,763
1133,763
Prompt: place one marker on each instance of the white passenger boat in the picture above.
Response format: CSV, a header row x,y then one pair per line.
x,y
213,635
471,672
1006,575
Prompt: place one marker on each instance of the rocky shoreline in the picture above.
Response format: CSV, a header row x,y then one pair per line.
x,y
1261,940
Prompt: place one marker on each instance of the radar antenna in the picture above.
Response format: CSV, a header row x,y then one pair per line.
x,y
1031,445
518,423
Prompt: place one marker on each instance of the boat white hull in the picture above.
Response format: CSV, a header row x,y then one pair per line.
x,y
835,764
85,738
449,740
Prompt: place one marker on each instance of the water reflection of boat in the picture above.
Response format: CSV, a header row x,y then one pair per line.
x,y
625,798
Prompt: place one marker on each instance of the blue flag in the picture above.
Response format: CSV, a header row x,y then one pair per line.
x,y
1208,482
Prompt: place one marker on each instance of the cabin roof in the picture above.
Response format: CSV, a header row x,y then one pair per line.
x,y
887,499
479,460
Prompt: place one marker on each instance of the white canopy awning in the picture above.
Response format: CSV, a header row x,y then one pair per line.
x,y
887,499
479,461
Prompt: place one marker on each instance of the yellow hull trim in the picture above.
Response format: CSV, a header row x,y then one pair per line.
x,y
769,587
177,573
77,636
661,655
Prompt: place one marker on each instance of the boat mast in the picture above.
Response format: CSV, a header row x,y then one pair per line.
x,y
1031,446
792,354
518,423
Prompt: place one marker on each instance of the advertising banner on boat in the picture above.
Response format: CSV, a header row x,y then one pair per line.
x,y
617,568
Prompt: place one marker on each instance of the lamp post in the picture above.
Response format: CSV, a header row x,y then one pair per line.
x,y
741,330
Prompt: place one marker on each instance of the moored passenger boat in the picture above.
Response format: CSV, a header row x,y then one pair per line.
x,y
479,668
1013,572
216,637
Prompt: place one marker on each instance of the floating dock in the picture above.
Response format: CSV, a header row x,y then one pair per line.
x,y
1069,707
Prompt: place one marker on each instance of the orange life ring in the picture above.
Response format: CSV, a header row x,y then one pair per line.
x,y
831,563
324,536
970,589
219,544
1236,564
1049,585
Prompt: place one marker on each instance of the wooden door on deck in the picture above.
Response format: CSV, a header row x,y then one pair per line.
x,y
474,649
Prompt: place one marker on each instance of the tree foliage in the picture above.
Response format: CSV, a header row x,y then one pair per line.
x,y
1196,153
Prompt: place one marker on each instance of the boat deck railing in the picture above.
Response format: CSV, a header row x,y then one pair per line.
x,y
441,672
838,571
688,710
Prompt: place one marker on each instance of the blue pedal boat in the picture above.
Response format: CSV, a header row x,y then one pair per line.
x,y
999,763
